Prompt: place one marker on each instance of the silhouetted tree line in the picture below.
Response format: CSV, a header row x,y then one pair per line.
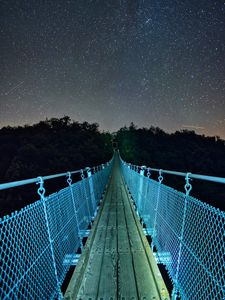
x,y
59,144
183,151
52,146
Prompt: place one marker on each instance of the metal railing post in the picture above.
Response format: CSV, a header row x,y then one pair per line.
x,y
140,196
85,195
188,188
160,179
69,181
41,193
146,194
92,192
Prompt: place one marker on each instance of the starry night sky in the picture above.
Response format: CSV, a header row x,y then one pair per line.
x,y
158,62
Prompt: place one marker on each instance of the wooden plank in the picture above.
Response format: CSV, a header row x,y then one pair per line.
x,y
147,288
126,278
147,257
74,286
112,219
99,241
90,282
121,217
123,241
108,280
111,240
118,263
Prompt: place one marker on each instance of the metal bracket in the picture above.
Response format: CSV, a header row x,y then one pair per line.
x,y
148,231
163,257
84,233
71,259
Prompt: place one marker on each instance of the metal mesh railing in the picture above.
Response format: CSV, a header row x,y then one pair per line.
x,y
189,236
36,243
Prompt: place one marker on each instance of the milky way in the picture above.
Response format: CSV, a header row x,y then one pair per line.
x,y
157,63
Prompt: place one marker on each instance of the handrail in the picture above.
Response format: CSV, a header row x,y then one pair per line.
x,y
187,233
12,184
191,175
49,231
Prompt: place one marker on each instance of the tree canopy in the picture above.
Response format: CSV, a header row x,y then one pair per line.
x,y
52,146
59,145
183,151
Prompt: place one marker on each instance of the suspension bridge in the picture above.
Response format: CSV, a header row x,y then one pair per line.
x,y
116,206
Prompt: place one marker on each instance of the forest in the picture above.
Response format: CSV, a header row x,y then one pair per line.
x,y
183,151
59,145
56,145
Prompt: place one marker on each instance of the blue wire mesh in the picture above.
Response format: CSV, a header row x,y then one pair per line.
x,y
37,241
196,259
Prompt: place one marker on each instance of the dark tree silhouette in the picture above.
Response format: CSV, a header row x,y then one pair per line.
x,y
183,151
49,147
59,144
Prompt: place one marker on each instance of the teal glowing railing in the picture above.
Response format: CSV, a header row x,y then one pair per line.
x,y
189,235
38,243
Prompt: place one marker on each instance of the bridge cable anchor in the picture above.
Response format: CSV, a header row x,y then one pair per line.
x,y
148,172
69,179
160,178
188,186
82,173
41,189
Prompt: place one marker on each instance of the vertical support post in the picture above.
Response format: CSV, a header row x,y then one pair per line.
x,y
106,168
140,191
187,188
128,180
41,193
85,195
92,191
146,194
69,181
131,179
160,179
101,180
96,179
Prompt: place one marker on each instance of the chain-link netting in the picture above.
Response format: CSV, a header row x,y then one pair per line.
x,y
36,243
190,234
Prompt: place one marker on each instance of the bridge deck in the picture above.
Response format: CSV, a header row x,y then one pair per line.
x,y
117,262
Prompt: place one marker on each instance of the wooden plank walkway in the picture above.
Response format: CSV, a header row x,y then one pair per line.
x,y
117,262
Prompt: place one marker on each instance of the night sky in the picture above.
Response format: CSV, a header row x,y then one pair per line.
x,y
159,63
